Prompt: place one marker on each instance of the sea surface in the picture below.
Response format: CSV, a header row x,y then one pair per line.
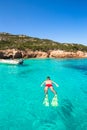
x,y
21,96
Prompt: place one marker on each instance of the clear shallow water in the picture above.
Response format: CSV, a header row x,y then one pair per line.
x,y
21,96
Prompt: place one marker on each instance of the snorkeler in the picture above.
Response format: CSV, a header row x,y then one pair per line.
x,y
49,84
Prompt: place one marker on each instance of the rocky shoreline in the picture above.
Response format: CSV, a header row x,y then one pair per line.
x,y
10,53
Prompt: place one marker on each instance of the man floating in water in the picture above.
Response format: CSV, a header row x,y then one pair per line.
x,y
49,84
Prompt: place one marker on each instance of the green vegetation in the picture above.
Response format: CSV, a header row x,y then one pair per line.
x,y
23,42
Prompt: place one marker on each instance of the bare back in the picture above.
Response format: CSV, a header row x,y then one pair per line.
x,y
48,82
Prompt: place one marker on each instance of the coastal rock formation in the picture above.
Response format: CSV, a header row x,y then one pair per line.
x,y
1,54
64,54
18,54
81,54
40,54
12,53
35,54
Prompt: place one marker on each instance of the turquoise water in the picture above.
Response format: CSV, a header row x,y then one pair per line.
x,y
21,96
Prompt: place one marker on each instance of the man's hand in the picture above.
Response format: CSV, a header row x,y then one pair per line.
x,y
57,85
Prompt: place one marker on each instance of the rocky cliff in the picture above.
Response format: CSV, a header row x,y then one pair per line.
x,y
12,53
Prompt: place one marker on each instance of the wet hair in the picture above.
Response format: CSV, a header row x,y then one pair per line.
x,y
48,77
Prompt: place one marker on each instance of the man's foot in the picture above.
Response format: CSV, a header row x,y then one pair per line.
x,y
46,95
55,95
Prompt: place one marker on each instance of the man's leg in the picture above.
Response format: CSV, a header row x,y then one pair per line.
x,y
46,90
52,89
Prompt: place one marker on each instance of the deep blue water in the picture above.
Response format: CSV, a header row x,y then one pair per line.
x,y
21,96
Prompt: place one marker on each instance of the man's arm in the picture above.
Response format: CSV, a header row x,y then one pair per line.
x,y
42,83
55,84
